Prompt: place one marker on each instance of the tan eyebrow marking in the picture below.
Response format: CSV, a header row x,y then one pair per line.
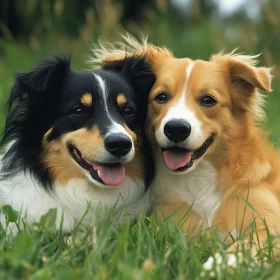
x,y
86,99
121,99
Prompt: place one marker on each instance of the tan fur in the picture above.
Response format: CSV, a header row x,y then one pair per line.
x,y
134,169
170,75
248,166
131,133
181,214
89,142
121,99
86,99
104,52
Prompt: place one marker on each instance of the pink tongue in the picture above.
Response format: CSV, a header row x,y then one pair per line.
x,y
110,175
113,175
174,160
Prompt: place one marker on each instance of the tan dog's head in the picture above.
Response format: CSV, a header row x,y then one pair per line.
x,y
196,106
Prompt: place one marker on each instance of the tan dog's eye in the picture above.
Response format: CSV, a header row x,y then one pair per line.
x,y
161,98
207,101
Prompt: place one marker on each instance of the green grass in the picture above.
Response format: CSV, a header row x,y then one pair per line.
x,y
143,250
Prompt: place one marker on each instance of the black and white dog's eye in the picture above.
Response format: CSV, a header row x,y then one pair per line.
x,y
161,98
78,111
207,101
128,111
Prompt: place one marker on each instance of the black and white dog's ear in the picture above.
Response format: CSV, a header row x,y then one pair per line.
x,y
48,74
31,90
136,69
139,74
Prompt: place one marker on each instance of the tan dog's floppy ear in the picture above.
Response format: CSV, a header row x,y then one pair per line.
x,y
243,71
257,77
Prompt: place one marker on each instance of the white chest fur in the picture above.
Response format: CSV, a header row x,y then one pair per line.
x,y
196,188
72,200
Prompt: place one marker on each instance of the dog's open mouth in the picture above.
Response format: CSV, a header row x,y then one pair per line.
x,y
180,159
107,174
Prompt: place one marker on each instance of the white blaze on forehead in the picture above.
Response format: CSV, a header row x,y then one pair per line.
x,y
189,70
102,86
117,128
114,127
104,94
180,109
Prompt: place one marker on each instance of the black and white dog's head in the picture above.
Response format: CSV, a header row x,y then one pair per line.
x,y
69,125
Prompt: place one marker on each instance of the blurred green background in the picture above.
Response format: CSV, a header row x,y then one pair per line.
x,y
33,29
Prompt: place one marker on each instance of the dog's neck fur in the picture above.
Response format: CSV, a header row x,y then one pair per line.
x,y
73,201
217,175
197,188
240,158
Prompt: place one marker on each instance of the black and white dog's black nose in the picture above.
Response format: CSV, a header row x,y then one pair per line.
x,y
177,130
118,144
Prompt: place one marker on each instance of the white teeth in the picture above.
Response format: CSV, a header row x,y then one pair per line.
x,y
98,173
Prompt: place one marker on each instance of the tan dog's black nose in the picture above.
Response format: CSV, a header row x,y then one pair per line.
x,y
118,144
177,130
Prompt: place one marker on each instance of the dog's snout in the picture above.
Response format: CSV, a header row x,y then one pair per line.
x,y
118,144
177,130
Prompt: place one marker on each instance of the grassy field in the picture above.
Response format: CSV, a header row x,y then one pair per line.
x,y
143,250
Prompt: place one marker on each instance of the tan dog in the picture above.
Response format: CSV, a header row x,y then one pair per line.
x,y
209,152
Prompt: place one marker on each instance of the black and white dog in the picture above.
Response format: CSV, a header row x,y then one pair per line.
x,y
76,141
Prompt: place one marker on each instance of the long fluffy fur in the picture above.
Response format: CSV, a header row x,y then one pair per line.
x,y
58,123
105,51
242,165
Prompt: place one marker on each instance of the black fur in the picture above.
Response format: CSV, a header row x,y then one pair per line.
x,y
140,75
142,79
44,97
